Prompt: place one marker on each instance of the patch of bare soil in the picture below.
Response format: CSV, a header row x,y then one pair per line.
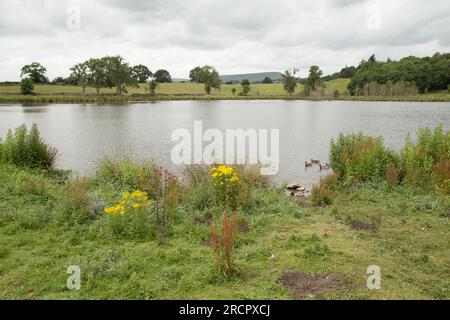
x,y
302,285
358,225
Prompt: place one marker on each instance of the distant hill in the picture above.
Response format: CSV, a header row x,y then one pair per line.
x,y
180,80
252,77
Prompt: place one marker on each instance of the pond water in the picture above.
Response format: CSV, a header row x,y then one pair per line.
x,y
83,133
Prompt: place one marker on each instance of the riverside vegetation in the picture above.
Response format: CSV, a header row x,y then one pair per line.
x,y
138,231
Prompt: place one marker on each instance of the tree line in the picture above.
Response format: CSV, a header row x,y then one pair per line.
x,y
408,76
98,73
427,74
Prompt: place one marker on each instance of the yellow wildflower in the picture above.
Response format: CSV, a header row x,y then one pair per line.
x,y
117,209
134,200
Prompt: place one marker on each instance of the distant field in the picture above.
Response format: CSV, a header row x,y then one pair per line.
x,y
338,84
190,91
275,89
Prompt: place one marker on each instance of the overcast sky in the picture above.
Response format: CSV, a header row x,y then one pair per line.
x,y
234,36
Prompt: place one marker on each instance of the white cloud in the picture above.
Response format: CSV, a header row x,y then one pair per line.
x,y
234,36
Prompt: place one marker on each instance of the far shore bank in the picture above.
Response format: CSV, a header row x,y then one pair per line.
x,y
51,98
335,90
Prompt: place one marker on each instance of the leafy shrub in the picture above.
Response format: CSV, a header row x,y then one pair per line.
x,y
420,159
358,158
27,149
132,216
26,86
205,191
226,185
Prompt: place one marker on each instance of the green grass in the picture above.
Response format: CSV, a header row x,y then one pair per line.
x,y
411,246
338,84
188,91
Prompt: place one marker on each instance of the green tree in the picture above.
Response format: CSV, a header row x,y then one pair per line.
x,y
119,74
245,87
290,81
152,86
98,74
80,74
267,80
35,71
193,74
428,73
141,73
233,90
162,76
26,86
314,80
347,72
209,76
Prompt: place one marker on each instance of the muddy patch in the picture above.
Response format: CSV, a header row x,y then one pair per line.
x,y
358,225
302,285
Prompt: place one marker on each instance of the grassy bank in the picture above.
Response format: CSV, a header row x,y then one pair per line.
x,y
402,231
188,91
137,231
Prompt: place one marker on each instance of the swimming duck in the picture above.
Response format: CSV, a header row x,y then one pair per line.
x,y
325,166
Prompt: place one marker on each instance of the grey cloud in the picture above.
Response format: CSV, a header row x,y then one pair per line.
x,y
235,36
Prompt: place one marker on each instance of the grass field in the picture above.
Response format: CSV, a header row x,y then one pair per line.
x,y
189,91
164,88
410,244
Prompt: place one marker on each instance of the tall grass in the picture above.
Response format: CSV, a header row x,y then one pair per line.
x,y
78,206
27,149
124,173
424,161
359,158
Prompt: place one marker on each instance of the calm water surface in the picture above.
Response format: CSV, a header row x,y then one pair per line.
x,y
85,132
